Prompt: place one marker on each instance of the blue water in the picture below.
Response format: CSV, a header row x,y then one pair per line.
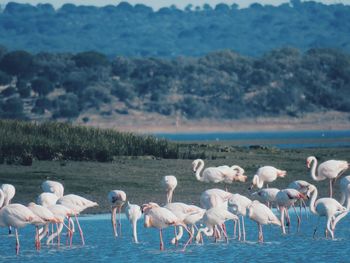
x,y
280,139
101,246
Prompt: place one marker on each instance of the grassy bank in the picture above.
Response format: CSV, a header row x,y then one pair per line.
x,y
139,177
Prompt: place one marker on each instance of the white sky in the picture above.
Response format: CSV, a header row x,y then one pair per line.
x,y
156,4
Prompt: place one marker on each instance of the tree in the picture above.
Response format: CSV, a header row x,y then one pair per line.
x,y
17,63
42,86
90,59
13,108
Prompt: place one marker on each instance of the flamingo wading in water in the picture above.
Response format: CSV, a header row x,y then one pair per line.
x,y
117,199
133,213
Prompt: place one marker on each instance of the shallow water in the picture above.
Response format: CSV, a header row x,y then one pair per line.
x,y
101,246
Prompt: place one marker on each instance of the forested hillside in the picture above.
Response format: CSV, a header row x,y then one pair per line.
x,y
222,84
127,30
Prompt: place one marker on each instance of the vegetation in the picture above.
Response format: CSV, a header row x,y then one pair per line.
x,y
21,142
139,31
49,86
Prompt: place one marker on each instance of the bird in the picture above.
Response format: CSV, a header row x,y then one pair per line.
x,y
303,187
46,215
133,213
215,217
169,183
286,198
9,192
77,204
266,196
327,207
266,174
184,213
218,174
331,169
17,216
214,197
160,218
237,204
47,199
262,215
53,187
117,199
344,192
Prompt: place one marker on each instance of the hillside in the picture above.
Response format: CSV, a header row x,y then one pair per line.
x,y
223,86
127,30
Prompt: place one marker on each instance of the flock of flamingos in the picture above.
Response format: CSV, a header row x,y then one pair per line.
x,y
217,206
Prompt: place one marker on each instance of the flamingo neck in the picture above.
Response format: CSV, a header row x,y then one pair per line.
x,y
199,170
134,230
256,180
313,170
312,201
208,231
2,198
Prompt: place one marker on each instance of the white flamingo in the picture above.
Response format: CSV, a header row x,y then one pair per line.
x,y
160,218
215,217
266,196
9,192
133,213
266,174
327,207
286,199
237,204
214,197
117,199
77,204
262,215
344,192
169,183
53,187
218,174
331,170
17,216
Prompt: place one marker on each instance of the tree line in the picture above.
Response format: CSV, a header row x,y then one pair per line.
x,y
221,84
127,30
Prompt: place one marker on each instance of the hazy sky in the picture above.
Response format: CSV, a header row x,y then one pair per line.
x,y
156,4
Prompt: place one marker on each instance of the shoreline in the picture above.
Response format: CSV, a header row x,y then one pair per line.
x,y
150,124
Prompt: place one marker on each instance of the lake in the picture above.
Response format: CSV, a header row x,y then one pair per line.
x,y
280,139
101,246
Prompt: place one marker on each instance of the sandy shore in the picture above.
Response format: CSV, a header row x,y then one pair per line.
x,y
153,123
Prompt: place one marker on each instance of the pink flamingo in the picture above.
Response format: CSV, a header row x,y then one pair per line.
x,y
117,199
266,174
169,183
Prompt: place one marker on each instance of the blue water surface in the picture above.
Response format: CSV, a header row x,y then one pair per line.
x,y
101,246
281,139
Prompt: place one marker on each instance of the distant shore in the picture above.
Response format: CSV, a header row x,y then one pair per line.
x,y
145,124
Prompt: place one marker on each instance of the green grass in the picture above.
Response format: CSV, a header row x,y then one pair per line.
x,y
140,177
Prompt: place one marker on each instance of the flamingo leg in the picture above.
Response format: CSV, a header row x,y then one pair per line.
x,y
329,227
161,239
288,220
243,227
239,230
223,229
175,233
80,230
113,221
10,230
234,229
318,221
190,239
260,235
282,220
298,218
17,242
58,236
120,220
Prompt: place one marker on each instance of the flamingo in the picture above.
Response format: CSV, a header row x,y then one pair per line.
x,y
344,193
169,183
77,204
47,217
133,213
328,207
266,195
237,204
262,215
9,192
214,197
213,217
303,187
61,213
160,218
266,174
331,169
285,199
218,174
53,187
17,216
117,199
